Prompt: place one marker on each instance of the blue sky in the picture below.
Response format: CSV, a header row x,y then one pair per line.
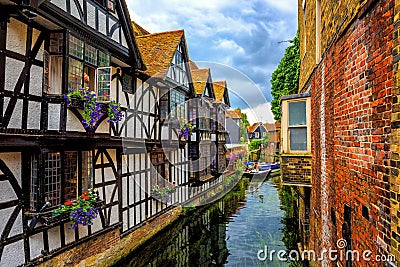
x,y
239,39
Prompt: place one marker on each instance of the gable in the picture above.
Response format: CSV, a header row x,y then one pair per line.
x,y
109,20
158,51
178,70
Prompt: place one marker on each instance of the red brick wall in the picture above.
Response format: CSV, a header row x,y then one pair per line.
x,y
356,78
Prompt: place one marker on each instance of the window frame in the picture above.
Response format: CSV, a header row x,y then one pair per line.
x,y
40,163
286,127
83,58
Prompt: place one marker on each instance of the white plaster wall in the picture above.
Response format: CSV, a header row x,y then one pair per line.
x,y
74,10
17,228
73,124
164,133
33,118
114,215
123,41
16,36
12,71
54,117
83,231
16,116
69,233
54,238
35,35
5,213
13,255
109,190
13,162
97,224
104,127
124,189
91,15
35,84
102,22
125,225
60,3
36,245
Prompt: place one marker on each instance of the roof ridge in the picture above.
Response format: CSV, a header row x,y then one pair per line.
x,y
161,33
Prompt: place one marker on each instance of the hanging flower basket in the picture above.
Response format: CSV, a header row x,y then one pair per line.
x,y
163,193
93,110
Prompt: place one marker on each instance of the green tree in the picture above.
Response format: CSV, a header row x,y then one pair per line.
x,y
244,123
285,78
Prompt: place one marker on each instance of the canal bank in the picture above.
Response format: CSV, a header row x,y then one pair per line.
x,y
229,232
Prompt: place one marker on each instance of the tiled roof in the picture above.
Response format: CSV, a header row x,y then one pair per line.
x,y
139,30
219,89
157,51
199,78
271,127
233,114
192,65
253,127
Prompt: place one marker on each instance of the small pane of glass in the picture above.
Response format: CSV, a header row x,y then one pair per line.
x,y
91,55
76,47
71,176
103,84
75,71
104,59
298,139
297,113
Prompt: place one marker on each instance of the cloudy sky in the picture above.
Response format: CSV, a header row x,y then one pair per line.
x,y
240,40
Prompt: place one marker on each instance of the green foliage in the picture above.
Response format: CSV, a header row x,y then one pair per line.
x,y
244,123
285,79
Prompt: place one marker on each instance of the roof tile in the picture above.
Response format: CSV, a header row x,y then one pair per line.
x,y
157,51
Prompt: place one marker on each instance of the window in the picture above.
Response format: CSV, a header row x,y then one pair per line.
x,y
57,177
128,83
256,135
177,104
52,64
296,124
177,70
89,68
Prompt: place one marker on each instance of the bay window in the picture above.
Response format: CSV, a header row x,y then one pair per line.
x,y
296,124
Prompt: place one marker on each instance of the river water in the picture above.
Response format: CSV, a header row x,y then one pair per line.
x,y
229,232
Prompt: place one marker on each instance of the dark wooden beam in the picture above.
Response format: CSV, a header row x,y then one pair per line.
x,y
22,78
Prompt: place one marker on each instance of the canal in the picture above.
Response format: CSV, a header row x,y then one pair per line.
x,y
229,232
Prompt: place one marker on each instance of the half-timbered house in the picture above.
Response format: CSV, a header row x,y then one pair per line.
x,y
48,48
48,157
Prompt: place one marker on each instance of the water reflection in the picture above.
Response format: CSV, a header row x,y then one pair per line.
x,y
229,232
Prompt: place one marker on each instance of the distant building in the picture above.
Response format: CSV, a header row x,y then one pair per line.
x,y
256,131
233,126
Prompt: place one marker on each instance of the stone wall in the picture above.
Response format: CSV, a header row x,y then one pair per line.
x,y
296,169
351,92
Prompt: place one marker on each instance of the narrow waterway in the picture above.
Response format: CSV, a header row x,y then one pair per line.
x,y
229,232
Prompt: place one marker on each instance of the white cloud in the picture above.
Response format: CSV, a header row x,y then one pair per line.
x,y
228,46
260,113
287,6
